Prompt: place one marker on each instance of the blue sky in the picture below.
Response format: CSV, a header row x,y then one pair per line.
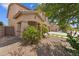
x,y
4,8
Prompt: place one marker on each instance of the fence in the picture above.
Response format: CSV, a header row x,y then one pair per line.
x,y
6,31
9,31
1,31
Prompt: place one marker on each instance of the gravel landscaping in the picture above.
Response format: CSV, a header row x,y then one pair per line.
x,y
46,47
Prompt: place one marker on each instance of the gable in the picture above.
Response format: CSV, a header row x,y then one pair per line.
x,y
13,9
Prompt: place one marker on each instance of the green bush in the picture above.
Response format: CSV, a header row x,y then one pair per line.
x,y
31,35
73,41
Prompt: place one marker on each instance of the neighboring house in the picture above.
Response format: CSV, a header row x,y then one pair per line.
x,y
20,17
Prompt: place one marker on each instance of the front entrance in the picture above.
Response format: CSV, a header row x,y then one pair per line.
x,y
18,28
22,25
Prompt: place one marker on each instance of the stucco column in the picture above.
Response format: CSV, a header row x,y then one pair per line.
x,y
23,27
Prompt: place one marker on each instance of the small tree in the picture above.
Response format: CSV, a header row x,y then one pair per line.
x,y
62,13
1,24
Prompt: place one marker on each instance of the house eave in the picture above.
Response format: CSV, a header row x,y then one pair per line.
x,y
27,12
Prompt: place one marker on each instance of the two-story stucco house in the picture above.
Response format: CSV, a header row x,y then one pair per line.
x,y
20,17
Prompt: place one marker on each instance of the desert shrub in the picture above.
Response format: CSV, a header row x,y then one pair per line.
x,y
74,41
31,35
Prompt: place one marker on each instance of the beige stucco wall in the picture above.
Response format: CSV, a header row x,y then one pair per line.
x,y
13,9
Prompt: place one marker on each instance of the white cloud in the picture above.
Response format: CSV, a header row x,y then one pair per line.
x,y
5,5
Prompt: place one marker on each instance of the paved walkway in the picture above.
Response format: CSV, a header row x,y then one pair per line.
x,y
7,43
8,40
4,50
